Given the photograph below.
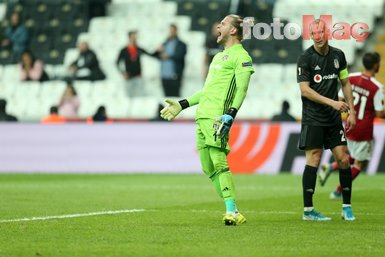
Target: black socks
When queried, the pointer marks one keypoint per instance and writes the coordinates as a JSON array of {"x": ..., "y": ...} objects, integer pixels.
[
  {"x": 346, "y": 185},
  {"x": 309, "y": 178}
]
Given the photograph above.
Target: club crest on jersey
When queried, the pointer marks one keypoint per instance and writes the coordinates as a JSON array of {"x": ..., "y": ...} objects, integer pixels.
[
  {"x": 317, "y": 78},
  {"x": 225, "y": 57},
  {"x": 336, "y": 64}
]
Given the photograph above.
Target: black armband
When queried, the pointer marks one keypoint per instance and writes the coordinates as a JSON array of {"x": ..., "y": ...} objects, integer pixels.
[
  {"x": 184, "y": 103},
  {"x": 232, "y": 112}
]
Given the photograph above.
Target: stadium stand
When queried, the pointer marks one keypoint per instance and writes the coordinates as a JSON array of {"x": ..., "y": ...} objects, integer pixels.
[{"x": 56, "y": 26}]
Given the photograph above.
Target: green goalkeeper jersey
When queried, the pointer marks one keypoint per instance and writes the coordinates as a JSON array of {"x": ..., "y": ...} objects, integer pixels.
[{"x": 226, "y": 83}]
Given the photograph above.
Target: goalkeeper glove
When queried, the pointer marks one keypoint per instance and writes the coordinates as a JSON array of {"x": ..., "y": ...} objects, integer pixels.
[
  {"x": 173, "y": 109},
  {"x": 225, "y": 121}
]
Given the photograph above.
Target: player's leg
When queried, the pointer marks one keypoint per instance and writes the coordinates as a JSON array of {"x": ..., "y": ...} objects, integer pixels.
[
  {"x": 222, "y": 171},
  {"x": 213, "y": 152},
  {"x": 208, "y": 169},
  {"x": 345, "y": 180},
  {"x": 357, "y": 167},
  {"x": 356, "y": 170},
  {"x": 309, "y": 178},
  {"x": 361, "y": 151},
  {"x": 345, "y": 172},
  {"x": 336, "y": 141},
  {"x": 205, "y": 159},
  {"x": 327, "y": 169},
  {"x": 311, "y": 140}
]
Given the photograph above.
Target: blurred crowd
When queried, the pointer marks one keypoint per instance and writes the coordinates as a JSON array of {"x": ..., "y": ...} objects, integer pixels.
[
  {"x": 171, "y": 55},
  {"x": 86, "y": 67}
]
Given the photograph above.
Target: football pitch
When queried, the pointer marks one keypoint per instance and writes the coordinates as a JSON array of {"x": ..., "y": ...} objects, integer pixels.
[{"x": 181, "y": 215}]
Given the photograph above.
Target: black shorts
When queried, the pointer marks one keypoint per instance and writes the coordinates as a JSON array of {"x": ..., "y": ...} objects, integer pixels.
[{"x": 321, "y": 137}]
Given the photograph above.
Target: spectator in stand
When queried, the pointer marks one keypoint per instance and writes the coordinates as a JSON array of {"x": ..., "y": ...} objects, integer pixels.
[
  {"x": 86, "y": 66},
  {"x": 284, "y": 115},
  {"x": 4, "y": 116},
  {"x": 53, "y": 117},
  {"x": 129, "y": 65},
  {"x": 172, "y": 54},
  {"x": 69, "y": 102},
  {"x": 100, "y": 116},
  {"x": 16, "y": 37},
  {"x": 32, "y": 68}
]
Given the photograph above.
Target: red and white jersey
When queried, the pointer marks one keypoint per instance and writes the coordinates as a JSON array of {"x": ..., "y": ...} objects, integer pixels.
[{"x": 368, "y": 96}]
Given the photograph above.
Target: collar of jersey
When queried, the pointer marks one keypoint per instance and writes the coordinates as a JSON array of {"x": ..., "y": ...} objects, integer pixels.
[{"x": 232, "y": 47}]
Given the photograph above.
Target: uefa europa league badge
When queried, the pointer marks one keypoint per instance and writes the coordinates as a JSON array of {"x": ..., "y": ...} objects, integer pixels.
[
  {"x": 225, "y": 57},
  {"x": 336, "y": 64}
]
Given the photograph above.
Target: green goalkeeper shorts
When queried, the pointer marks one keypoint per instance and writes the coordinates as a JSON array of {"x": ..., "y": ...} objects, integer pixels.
[{"x": 205, "y": 136}]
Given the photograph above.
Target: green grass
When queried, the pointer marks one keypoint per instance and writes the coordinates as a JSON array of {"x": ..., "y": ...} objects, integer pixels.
[{"x": 182, "y": 217}]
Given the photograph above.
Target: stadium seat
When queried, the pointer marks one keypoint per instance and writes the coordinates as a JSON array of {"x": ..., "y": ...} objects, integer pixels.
[
  {"x": 5, "y": 57},
  {"x": 137, "y": 109},
  {"x": 118, "y": 107},
  {"x": 153, "y": 87},
  {"x": 70, "y": 56}
]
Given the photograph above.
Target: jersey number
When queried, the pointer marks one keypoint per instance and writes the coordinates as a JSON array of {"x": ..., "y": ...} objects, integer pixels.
[
  {"x": 343, "y": 139},
  {"x": 358, "y": 99}
]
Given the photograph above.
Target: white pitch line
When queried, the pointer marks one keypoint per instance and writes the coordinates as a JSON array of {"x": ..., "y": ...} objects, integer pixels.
[{"x": 76, "y": 215}]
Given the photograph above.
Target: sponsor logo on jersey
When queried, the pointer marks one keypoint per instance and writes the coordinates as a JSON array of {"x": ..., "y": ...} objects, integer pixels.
[
  {"x": 336, "y": 64},
  {"x": 330, "y": 76},
  {"x": 317, "y": 68},
  {"x": 318, "y": 78},
  {"x": 247, "y": 64}
]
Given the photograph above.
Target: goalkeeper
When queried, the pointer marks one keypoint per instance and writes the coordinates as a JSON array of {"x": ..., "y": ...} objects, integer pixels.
[{"x": 218, "y": 102}]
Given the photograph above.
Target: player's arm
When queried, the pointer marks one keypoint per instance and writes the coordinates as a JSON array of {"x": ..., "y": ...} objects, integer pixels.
[
  {"x": 378, "y": 102},
  {"x": 311, "y": 94},
  {"x": 348, "y": 95},
  {"x": 173, "y": 108},
  {"x": 244, "y": 69},
  {"x": 242, "y": 81},
  {"x": 304, "y": 77}
]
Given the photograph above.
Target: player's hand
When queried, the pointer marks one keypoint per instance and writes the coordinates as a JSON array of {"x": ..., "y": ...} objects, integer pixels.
[
  {"x": 223, "y": 126},
  {"x": 350, "y": 122},
  {"x": 171, "y": 110},
  {"x": 340, "y": 106}
]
